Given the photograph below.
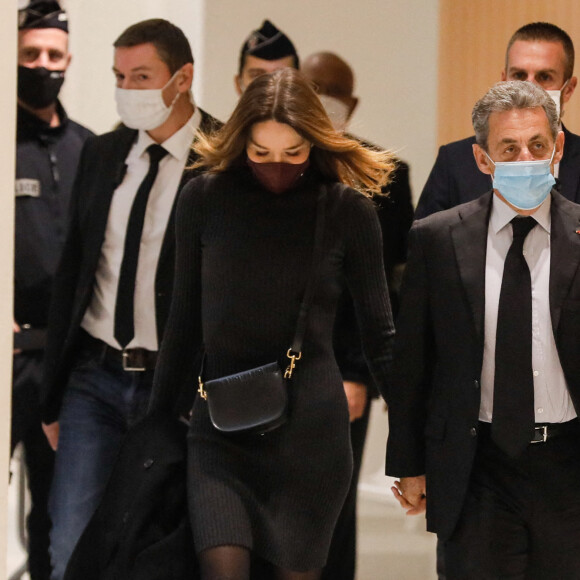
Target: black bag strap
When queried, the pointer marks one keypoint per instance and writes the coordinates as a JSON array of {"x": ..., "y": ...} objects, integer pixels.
[{"x": 295, "y": 351}]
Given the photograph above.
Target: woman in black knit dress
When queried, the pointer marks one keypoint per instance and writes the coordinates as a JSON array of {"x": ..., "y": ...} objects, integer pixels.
[{"x": 244, "y": 235}]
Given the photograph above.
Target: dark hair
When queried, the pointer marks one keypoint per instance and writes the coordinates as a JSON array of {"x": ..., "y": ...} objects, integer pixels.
[
  {"x": 546, "y": 32},
  {"x": 287, "y": 97},
  {"x": 169, "y": 41}
]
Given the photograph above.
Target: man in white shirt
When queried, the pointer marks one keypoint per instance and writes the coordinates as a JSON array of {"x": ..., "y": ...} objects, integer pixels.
[
  {"x": 113, "y": 288},
  {"x": 486, "y": 385}
]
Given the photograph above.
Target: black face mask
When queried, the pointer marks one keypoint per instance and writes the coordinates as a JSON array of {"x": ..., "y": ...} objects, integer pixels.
[{"x": 39, "y": 87}]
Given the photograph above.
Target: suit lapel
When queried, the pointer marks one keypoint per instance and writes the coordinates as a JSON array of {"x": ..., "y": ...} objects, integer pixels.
[
  {"x": 469, "y": 237},
  {"x": 564, "y": 253},
  {"x": 569, "y": 173}
]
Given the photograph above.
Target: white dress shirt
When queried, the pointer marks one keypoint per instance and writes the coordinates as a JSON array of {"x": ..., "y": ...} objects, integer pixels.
[
  {"x": 552, "y": 401},
  {"x": 99, "y": 319}
]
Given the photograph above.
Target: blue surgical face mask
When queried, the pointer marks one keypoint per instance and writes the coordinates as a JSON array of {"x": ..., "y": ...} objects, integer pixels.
[{"x": 525, "y": 184}]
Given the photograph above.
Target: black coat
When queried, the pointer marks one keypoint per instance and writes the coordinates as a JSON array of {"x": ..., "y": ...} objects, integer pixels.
[
  {"x": 455, "y": 177},
  {"x": 141, "y": 529},
  {"x": 101, "y": 170},
  {"x": 435, "y": 395}
]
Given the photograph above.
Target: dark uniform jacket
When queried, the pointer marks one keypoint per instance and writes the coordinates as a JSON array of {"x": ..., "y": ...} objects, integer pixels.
[
  {"x": 455, "y": 177},
  {"x": 46, "y": 162},
  {"x": 434, "y": 399},
  {"x": 101, "y": 170}
]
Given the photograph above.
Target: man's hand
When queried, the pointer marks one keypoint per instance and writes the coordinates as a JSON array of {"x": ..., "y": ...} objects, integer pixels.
[
  {"x": 410, "y": 493},
  {"x": 356, "y": 395},
  {"x": 16, "y": 328},
  {"x": 51, "y": 432}
]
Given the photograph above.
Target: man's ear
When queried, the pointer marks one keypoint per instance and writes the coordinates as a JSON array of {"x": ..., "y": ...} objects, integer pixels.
[
  {"x": 185, "y": 78},
  {"x": 238, "y": 85},
  {"x": 559, "y": 148},
  {"x": 569, "y": 89},
  {"x": 481, "y": 159}
]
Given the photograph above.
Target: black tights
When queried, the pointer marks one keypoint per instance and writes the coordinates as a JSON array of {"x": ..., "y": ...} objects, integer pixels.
[{"x": 233, "y": 563}]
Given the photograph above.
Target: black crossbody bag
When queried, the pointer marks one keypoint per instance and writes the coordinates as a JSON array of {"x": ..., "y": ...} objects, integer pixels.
[{"x": 256, "y": 400}]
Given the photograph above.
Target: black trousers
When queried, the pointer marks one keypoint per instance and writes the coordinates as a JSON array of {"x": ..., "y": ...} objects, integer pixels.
[
  {"x": 341, "y": 561},
  {"x": 26, "y": 428},
  {"x": 521, "y": 516}
]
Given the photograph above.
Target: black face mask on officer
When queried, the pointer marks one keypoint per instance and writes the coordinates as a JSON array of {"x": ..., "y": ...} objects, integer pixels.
[{"x": 39, "y": 87}]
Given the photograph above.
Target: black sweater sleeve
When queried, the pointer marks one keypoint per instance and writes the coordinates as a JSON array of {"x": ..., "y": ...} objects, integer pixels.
[
  {"x": 175, "y": 371},
  {"x": 366, "y": 280}
]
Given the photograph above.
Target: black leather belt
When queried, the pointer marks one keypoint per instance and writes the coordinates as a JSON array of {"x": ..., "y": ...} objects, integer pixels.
[
  {"x": 542, "y": 431},
  {"x": 131, "y": 359},
  {"x": 550, "y": 430}
]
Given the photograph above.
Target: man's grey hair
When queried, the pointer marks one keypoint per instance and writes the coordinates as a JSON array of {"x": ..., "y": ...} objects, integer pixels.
[{"x": 509, "y": 95}]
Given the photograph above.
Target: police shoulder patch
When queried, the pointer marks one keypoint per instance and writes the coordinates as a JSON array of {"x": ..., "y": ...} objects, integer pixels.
[{"x": 27, "y": 188}]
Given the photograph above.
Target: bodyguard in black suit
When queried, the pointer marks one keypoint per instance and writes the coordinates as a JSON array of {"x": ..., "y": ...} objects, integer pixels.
[
  {"x": 113, "y": 287},
  {"x": 483, "y": 414},
  {"x": 540, "y": 53}
]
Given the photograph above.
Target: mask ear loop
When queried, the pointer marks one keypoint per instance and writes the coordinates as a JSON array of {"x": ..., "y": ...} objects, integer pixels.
[{"x": 167, "y": 84}]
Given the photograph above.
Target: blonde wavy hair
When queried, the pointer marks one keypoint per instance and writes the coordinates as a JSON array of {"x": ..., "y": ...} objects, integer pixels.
[{"x": 287, "y": 97}]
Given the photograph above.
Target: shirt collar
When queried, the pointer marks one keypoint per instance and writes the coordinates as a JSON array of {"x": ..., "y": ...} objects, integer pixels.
[
  {"x": 179, "y": 144},
  {"x": 502, "y": 214}
]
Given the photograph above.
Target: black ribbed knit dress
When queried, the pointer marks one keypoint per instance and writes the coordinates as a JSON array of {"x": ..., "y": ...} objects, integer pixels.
[{"x": 243, "y": 259}]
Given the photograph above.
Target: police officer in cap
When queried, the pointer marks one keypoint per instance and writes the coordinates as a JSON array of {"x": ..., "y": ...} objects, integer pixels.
[
  {"x": 266, "y": 50},
  {"x": 48, "y": 148}
]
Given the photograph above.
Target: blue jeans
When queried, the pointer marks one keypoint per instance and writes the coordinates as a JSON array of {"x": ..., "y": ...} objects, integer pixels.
[{"x": 102, "y": 401}]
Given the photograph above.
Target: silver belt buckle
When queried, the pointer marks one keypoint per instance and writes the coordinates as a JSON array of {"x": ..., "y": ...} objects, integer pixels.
[
  {"x": 127, "y": 366},
  {"x": 544, "y": 430}
]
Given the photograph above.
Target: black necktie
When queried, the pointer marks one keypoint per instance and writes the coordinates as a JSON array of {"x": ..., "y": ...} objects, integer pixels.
[
  {"x": 124, "y": 308},
  {"x": 513, "y": 394}
]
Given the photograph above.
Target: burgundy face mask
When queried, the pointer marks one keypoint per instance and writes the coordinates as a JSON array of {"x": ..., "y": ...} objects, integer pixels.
[{"x": 278, "y": 177}]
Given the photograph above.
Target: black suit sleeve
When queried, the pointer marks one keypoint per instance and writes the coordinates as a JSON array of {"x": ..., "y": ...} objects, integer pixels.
[
  {"x": 409, "y": 392},
  {"x": 438, "y": 192},
  {"x": 396, "y": 216}
]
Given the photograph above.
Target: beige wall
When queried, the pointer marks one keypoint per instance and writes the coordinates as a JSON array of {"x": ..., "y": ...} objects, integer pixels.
[
  {"x": 8, "y": 124},
  {"x": 472, "y": 47}
]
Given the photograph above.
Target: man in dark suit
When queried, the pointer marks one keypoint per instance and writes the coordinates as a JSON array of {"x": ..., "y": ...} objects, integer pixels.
[
  {"x": 540, "y": 53},
  {"x": 334, "y": 81},
  {"x": 114, "y": 284},
  {"x": 486, "y": 383}
]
